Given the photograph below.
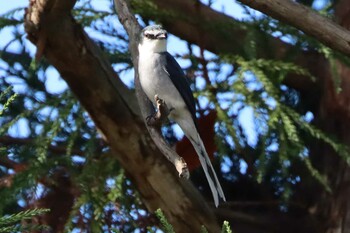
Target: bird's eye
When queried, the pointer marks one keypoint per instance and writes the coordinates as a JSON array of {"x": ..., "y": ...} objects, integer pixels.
[{"x": 149, "y": 36}]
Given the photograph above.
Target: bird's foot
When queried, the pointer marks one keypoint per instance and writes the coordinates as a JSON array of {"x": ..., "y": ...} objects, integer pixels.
[{"x": 162, "y": 113}]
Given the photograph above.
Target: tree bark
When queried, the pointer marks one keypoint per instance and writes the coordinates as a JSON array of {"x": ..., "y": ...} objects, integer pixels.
[{"x": 112, "y": 107}]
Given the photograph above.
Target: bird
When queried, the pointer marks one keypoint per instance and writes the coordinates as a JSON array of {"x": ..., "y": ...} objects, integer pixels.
[{"x": 160, "y": 75}]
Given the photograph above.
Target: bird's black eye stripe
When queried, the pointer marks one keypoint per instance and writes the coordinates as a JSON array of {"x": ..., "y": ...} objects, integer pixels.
[{"x": 150, "y": 36}]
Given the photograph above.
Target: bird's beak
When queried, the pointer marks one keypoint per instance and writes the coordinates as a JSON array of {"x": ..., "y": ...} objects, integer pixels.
[{"x": 162, "y": 36}]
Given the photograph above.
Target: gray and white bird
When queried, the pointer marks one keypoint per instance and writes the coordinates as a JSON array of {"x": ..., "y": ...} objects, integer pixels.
[{"x": 161, "y": 75}]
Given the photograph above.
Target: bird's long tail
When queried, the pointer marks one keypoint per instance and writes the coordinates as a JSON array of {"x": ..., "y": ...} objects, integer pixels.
[{"x": 209, "y": 171}]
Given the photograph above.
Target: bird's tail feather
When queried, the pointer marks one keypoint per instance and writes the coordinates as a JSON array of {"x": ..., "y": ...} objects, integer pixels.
[{"x": 209, "y": 171}]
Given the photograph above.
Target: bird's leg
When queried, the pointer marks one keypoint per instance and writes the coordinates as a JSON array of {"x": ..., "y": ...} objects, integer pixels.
[{"x": 161, "y": 115}]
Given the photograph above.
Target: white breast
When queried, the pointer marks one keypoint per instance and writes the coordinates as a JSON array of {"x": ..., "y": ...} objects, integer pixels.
[
  {"x": 148, "y": 76},
  {"x": 155, "y": 81}
]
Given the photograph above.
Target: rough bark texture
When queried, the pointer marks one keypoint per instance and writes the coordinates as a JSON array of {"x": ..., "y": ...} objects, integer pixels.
[{"x": 112, "y": 107}]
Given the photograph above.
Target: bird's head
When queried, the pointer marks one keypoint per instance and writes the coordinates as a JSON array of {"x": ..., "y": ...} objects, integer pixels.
[{"x": 153, "y": 39}]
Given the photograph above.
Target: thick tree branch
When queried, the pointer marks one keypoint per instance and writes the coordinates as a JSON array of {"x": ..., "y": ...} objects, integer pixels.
[
  {"x": 306, "y": 20},
  {"x": 91, "y": 78}
]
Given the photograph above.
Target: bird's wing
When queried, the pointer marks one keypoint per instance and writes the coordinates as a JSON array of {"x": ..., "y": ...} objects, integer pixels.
[{"x": 177, "y": 76}]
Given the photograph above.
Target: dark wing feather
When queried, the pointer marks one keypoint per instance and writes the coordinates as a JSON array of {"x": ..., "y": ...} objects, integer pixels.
[{"x": 178, "y": 78}]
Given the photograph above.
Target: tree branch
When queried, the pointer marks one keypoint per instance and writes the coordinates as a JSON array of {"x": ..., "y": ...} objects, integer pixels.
[{"x": 306, "y": 20}]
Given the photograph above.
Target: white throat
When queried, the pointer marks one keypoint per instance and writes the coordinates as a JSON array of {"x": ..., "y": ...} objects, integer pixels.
[{"x": 152, "y": 46}]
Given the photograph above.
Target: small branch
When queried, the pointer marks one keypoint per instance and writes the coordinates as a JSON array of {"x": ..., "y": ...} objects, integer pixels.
[{"x": 306, "y": 20}]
